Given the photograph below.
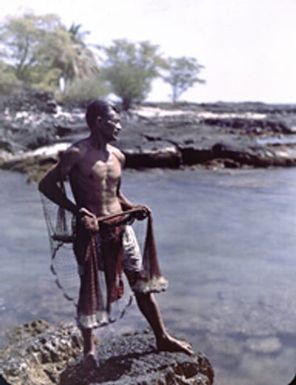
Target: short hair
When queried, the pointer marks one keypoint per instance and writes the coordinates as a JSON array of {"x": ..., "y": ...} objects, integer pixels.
[{"x": 97, "y": 108}]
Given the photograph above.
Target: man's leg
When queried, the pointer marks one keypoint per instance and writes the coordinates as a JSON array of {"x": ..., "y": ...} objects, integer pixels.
[
  {"x": 147, "y": 304},
  {"x": 164, "y": 341},
  {"x": 88, "y": 341},
  {"x": 89, "y": 350}
]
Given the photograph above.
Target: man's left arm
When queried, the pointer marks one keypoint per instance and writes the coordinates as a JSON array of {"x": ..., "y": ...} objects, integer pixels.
[
  {"x": 144, "y": 211},
  {"x": 125, "y": 203}
]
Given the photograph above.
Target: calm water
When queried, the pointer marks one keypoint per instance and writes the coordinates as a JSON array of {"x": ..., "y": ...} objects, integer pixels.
[{"x": 227, "y": 243}]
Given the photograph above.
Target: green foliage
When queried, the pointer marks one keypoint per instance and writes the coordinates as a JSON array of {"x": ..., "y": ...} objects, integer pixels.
[
  {"x": 130, "y": 68},
  {"x": 41, "y": 50},
  {"x": 83, "y": 63},
  {"x": 182, "y": 73},
  {"x": 83, "y": 90},
  {"x": 8, "y": 81}
]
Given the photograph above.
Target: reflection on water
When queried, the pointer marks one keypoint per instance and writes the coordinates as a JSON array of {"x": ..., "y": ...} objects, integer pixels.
[
  {"x": 275, "y": 140},
  {"x": 226, "y": 241}
]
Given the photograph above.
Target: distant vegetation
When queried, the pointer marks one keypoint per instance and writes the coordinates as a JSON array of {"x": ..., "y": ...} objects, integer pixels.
[
  {"x": 39, "y": 51},
  {"x": 129, "y": 68},
  {"x": 182, "y": 74}
]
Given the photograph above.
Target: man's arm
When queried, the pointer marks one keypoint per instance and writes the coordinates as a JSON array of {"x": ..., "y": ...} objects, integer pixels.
[
  {"x": 50, "y": 183},
  {"x": 124, "y": 202},
  {"x": 144, "y": 211}
]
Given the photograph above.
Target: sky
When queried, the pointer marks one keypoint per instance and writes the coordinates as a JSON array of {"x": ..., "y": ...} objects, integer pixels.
[{"x": 248, "y": 47}]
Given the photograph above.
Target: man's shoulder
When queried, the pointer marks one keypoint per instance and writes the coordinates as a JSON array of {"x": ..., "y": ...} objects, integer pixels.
[
  {"x": 80, "y": 144},
  {"x": 117, "y": 153},
  {"x": 78, "y": 147},
  {"x": 74, "y": 151}
]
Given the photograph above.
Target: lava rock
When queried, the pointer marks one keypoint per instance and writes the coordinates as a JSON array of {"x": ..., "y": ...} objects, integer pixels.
[
  {"x": 47, "y": 355},
  {"x": 133, "y": 360}
]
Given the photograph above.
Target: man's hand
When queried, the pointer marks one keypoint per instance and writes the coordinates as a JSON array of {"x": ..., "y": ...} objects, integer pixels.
[
  {"x": 89, "y": 220},
  {"x": 143, "y": 212}
]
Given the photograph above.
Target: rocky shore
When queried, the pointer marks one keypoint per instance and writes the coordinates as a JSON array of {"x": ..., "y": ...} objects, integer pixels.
[
  {"x": 232, "y": 135},
  {"x": 41, "y": 354}
]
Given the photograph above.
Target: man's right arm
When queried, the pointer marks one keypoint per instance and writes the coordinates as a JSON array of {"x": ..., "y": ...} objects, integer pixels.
[{"x": 50, "y": 183}]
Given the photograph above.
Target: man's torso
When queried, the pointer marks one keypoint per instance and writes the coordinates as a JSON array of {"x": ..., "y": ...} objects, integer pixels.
[{"x": 95, "y": 179}]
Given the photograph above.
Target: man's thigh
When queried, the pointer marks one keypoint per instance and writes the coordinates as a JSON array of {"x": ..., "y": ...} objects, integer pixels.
[{"x": 132, "y": 256}]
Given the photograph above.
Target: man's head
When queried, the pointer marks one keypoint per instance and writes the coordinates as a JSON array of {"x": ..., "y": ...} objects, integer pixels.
[{"x": 103, "y": 119}]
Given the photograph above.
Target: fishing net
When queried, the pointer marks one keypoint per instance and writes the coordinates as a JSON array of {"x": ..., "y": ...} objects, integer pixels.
[{"x": 61, "y": 230}]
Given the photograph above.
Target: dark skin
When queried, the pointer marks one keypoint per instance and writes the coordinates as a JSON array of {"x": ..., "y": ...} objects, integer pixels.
[{"x": 94, "y": 168}]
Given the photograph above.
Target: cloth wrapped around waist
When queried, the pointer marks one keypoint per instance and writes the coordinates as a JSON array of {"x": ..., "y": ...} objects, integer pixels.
[{"x": 104, "y": 252}]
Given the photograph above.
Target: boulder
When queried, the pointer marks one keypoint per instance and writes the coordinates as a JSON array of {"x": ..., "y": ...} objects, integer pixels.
[
  {"x": 38, "y": 353},
  {"x": 160, "y": 154},
  {"x": 45, "y": 355}
]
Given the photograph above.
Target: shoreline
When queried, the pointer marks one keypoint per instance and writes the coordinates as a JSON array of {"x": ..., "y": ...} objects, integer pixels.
[{"x": 216, "y": 135}]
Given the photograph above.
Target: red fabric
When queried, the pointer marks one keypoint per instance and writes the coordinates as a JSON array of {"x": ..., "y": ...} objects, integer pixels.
[{"x": 107, "y": 256}]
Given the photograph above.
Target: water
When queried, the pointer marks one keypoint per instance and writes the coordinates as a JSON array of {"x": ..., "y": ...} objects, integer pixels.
[
  {"x": 227, "y": 244},
  {"x": 277, "y": 140}
]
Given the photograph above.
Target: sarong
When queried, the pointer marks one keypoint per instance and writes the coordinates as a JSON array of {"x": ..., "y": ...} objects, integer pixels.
[{"x": 102, "y": 257}]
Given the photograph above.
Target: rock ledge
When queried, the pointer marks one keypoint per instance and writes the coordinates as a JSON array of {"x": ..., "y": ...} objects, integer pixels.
[{"x": 53, "y": 356}]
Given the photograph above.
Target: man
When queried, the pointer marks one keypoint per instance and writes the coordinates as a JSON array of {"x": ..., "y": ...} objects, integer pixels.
[{"x": 94, "y": 168}]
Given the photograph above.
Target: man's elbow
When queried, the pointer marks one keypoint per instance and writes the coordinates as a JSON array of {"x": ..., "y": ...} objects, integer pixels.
[{"x": 43, "y": 186}]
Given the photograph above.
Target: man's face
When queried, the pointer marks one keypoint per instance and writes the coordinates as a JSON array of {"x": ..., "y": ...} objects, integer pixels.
[{"x": 109, "y": 127}]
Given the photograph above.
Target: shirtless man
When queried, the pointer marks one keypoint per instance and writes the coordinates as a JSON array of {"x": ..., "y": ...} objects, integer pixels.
[{"x": 94, "y": 169}]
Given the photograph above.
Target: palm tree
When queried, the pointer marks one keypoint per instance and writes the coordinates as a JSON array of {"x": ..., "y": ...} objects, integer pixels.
[{"x": 82, "y": 62}]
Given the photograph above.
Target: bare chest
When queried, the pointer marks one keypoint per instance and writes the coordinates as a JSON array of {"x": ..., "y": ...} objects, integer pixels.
[{"x": 99, "y": 170}]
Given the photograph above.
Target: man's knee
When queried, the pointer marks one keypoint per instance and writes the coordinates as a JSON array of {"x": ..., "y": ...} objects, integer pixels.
[{"x": 133, "y": 277}]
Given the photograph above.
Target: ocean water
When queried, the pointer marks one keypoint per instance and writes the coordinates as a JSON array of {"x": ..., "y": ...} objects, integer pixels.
[{"x": 227, "y": 243}]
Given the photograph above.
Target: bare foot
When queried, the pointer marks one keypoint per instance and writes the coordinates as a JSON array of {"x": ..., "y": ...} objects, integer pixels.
[
  {"x": 171, "y": 344},
  {"x": 89, "y": 361}
]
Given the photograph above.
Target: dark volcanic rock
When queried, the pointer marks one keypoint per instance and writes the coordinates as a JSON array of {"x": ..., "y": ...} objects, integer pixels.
[
  {"x": 38, "y": 354},
  {"x": 160, "y": 154},
  {"x": 133, "y": 360},
  {"x": 208, "y": 135},
  {"x": 249, "y": 126},
  {"x": 53, "y": 356},
  {"x": 31, "y": 100}
]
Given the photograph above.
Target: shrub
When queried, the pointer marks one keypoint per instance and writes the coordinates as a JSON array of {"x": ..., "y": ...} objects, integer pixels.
[{"x": 81, "y": 91}]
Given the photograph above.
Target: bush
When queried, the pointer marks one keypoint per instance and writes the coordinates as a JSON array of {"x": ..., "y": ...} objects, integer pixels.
[
  {"x": 9, "y": 84},
  {"x": 82, "y": 91}
]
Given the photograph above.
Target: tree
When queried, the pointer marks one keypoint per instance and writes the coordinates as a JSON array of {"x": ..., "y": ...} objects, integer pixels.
[
  {"x": 182, "y": 73},
  {"x": 8, "y": 81},
  {"x": 130, "y": 68},
  {"x": 83, "y": 63},
  {"x": 41, "y": 50}
]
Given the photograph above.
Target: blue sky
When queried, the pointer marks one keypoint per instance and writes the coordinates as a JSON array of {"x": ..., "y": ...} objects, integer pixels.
[{"x": 247, "y": 46}]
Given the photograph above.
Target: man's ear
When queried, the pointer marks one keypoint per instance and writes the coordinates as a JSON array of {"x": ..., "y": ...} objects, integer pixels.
[{"x": 98, "y": 120}]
